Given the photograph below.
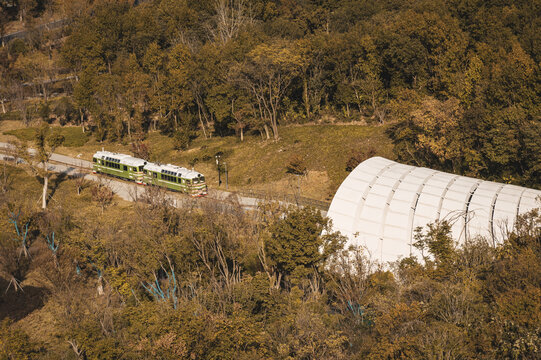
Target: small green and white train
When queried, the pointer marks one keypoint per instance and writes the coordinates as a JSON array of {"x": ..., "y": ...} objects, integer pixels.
[{"x": 147, "y": 173}]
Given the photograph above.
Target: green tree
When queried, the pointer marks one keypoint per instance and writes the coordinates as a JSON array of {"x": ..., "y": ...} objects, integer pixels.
[
  {"x": 299, "y": 244},
  {"x": 267, "y": 75},
  {"x": 16, "y": 344}
]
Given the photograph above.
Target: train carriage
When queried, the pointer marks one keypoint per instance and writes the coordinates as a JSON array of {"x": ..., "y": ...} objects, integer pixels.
[
  {"x": 175, "y": 178},
  {"x": 119, "y": 165}
]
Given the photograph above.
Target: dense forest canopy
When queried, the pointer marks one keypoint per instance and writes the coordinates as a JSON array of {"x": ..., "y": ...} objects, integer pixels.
[{"x": 456, "y": 81}]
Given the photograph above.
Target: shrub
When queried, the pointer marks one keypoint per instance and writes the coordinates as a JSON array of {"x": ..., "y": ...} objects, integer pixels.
[
  {"x": 296, "y": 165},
  {"x": 359, "y": 156}
]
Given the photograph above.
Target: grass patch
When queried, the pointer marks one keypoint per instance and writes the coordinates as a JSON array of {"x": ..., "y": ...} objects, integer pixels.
[
  {"x": 73, "y": 136},
  {"x": 11, "y": 115},
  {"x": 262, "y": 164},
  {"x": 325, "y": 149},
  {"x": 26, "y": 134}
]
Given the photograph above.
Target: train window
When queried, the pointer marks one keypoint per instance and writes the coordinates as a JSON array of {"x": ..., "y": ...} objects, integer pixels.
[
  {"x": 93, "y": 159},
  {"x": 155, "y": 175},
  {"x": 141, "y": 168},
  {"x": 125, "y": 168}
]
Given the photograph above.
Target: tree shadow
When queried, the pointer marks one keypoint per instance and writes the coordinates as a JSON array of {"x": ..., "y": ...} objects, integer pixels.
[
  {"x": 18, "y": 304},
  {"x": 56, "y": 180}
]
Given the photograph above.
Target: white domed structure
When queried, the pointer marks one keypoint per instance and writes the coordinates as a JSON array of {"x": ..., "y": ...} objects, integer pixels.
[{"x": 379, "y": 205}]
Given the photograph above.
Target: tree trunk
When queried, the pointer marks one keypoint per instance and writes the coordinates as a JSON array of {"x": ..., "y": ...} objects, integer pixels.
[
  {"x": 275, "y": 132},
  {"x": 129, "y": 127},
  {"x": 100, "y": 286},
  {"x": 201, "y": 108},
  {"x": 44, "y": 91},
  {"x": 274, "y": 125},
  {"x": 201, "y": 120},
  {"x": 241, "y": 134},
  {"x": 82, "y": 119},
  {"x": 266, "y": 131},
  {"x": 3, "y": 106},
  {"x": 45, "y": 185},
  {"x": 306, "y": 98}
]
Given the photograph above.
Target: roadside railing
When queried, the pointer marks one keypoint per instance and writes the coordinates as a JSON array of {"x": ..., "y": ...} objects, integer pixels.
[{"x": 288, "y": 198}]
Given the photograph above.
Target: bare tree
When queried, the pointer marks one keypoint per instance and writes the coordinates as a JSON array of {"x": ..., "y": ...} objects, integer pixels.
[
  {"x": 80, "y": 182},
  {"x": 6, "y": 180},
  {"x": 102, "y": 193},
  {"x": 231, "y": 16},
  {"x": 46, "y": 142},
  {"x": 14, "y": 254}
]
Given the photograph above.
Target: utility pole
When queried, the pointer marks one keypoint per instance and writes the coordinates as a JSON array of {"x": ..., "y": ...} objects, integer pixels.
[
  {"x": 226, "y": 176},
  {"x": 219, "y": 170}
]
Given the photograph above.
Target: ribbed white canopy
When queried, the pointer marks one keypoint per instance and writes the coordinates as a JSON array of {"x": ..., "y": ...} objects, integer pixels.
[{"x": 381, "y": 202}]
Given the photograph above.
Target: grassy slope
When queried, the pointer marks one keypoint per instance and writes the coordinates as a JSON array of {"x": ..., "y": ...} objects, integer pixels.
[
  {"x": 255, "y": 163},
  {"x": 32, "y": 309}
]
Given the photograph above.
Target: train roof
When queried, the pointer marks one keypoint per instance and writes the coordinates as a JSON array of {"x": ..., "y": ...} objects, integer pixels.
[
  {"x": 173, "y": 170},
  {"x": 120, "y": 158}
]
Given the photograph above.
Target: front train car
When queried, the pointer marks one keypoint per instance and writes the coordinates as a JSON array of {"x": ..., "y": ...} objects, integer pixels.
[
  {"x": 196, "y": 183},
  {"x": 175, "y": 178}
]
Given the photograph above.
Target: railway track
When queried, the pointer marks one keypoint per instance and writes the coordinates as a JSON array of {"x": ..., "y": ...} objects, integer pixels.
[{"x": 75, "y": 167}]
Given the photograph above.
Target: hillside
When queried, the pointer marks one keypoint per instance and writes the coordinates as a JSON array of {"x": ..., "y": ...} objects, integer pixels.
[
  {"x": 288, "y": 95},
  {"x": 254, "y": 163}
]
